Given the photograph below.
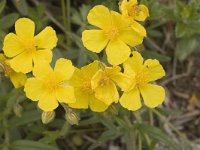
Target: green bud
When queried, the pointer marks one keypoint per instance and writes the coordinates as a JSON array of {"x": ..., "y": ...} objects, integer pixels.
[
  {"x": 113, "y": 110},
  {"x": 47, "y": 116},
  {"x": 18, "y": 110},
  {"x": 72, "y": 117}
]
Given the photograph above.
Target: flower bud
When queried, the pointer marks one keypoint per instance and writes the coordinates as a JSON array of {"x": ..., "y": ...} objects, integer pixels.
[
  {"x": 18, "y": 110},
  {"x": 47, "y": 116},
  {"x": 113, "y": 110},
  {"x": 2, "y": 67},
  {"x": 72, "y": 117}
]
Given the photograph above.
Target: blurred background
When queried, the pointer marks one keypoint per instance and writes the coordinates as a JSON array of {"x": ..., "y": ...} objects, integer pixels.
[{"x": 173, "y": 35}]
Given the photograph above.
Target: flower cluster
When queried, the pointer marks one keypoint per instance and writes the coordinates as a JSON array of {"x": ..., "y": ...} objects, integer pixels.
[{"x": 96, "y": 85}]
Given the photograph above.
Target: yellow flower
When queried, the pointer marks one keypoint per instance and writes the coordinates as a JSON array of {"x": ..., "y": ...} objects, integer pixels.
[
  {"x": 130, "y": 8},
  {"x": 104, "y": 84},
  {"x": 49, "y": 86},
  {"x": 141, "y": 74},
  {"x": 81, "y": 80},
  {"x": 115, "y": 34},
  {"x": 17, "y": 78},
  {"x": 132, "y": 11},
  {"x": 25, "y": 49}
]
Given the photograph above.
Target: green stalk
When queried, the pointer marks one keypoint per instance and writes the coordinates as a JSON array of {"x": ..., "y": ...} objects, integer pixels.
[
  {"x": 6, "y": 132},
  {"x": 66, "y": 18}
]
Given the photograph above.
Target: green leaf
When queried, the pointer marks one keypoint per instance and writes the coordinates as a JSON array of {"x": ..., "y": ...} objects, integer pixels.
[
  {"x": 25, "y": 119},
  {"x": 21, "y": 6},
  {"x": 185, "y": 47},
  {"x": 8, "y": 21},
  {"x": 106, "y": 136},
  {"x": 31, "y": 145},
  {"x": 180, "y": 29},
  {"x": 2, "y": 5},
  {"x": 157, "y": 134},
  {"x": 154, "y": 55}
]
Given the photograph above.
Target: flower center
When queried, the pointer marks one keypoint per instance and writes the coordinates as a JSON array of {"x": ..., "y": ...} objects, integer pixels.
[
  {"x": 104, "y": 80},
  {"x": 87, "y": 87},
  {"x": 30, "y": 44},
  {"x": 134, "y": 10},
  {"x": 112, "y": 32},
  {"x": 141, "y": 78}
]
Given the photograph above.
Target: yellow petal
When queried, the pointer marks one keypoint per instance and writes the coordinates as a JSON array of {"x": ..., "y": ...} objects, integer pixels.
[
  {"x": 119, "y": 21},
  {"x": 124, "y": 81},
  {"x": 117, "y": 52},
  {"x": 134, "y": 64},
  {"x": 139, "y": 29},
  {"x": 82, "y": 99},
  {"x": 48, "y": 102},
  {"x": 97, "y": 105},
  {"x": 107, "y": 94},
  {"x": 64, "y": 69},
  {"x": 46, "y": 39},
  {"x": 90, "y": 69},
  {"x": 155, "y": 69},
  {"x": 65, "y": 94},
  {"x": 25, "y": 28},
  {"x": 153, "y": 95},
  {"x": 131, "y": 100},
  {"x": 96, "y": 79},
  {"x": 144, "y": 13},
  {"x": 42, "y": 56},
  {"x": 99, "y": 16},
  {"x": 94, "y": 40},
  {"x": 12, "y": 45},
  {"x": 33, "y": 88},
  {"x": 22, "y": 62},
  {"x": 130, "y": 37},
  {"x": 18, "y": 79},
  {"x": 42, "y": 71}
]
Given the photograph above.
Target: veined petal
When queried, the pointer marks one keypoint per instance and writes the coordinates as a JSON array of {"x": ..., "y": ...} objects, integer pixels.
[
  {"x": 12, "y": 45},
  {"x": 94, "y": 40},
  {"x": 144, "y": 13},
  {"x": 25, "y": 28},
  {"x": 99, "y": 16},
  {"x": 133, "y": 64},
  {"x": 155, "y": 69},
  {"x": 65, "y": 94},
  {"x": 117, "y": 52},
  {"x": 107, "y": 94},
  {"x": 64, "y": 69},
  {"x": 22, "y": 62},
  {"x": 34, "y": 88},
  {"x": 82, "y": 99},
  {"x": 153, "y": 95},
  {"x": 42, "y": 56},
  {"x": 131, "y": 100},
  {"x": 97, "y": 105},
  {"x": 46, "y": 39},
  {"x": 18, "y": 79},
  {"x": 48, "y": 101},
  {"x": 130, "y": 37},
  {"x": 139, "y": 29}
]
